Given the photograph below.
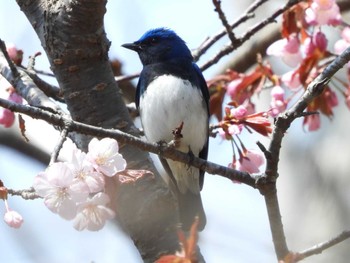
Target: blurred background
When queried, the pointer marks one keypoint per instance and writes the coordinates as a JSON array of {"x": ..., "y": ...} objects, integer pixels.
[{"x": 314, "y": 169}]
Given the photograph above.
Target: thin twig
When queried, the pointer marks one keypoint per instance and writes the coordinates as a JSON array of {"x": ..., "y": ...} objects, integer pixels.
[
  {"x": 252, "y": 31},
  {"x": 49, "y": 90},
  {"x": 27, "y": 194},
  {"x": 126, "y": 77},
  {"x": 58, "y": 147},
  {"x": 25, "y": 86},
  {"x": 231, "y": 35},
  {"x": 212, "y": 40},
  {"x": 31, "y": 62},
  {"x": 319, "y": 248},
  {"x": 12, "y": 65},
  {"x": 45, "y": 73}
]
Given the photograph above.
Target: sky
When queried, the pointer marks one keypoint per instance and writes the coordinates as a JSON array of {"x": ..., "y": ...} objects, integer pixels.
[{"x": 237, "y": 230}]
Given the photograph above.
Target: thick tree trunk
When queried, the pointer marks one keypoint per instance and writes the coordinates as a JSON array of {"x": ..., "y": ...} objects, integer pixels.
[{"x": 72, "y": 34}]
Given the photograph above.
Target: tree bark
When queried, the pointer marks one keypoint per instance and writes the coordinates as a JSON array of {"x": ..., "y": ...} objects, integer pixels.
[{"x": 73, "y": 37}]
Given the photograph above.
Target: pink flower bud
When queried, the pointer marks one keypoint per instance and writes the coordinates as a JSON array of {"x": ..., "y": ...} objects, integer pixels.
[
  {"x": 13, "y": 219},
  {"x": 239, "y": 112},
  {"x": 320, "y": 41},
  {"x": 7, "y": 117},
  {"x": 15, "y": 54},
  {"x": 15, "y": 98}
]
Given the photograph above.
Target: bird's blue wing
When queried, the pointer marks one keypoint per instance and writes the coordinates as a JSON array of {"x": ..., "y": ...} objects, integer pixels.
[
  {"x": 202, "y": 85},
  {"x": 205, "y": 91}
]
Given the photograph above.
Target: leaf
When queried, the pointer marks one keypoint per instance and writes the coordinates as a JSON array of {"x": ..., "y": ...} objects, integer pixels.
[
  {"x": 22, "y": 127},
  {"x": 216, "y": 100},
  {"x": 131, "y": 176},
  {"x": 188, "y": 253}
]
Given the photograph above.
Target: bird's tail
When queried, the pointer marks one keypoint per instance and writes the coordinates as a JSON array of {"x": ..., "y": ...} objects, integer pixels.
[{"x": 190, "y": 206}]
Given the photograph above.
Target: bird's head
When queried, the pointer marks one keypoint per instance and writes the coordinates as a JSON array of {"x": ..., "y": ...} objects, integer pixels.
[{"x": 160, "y": 45}]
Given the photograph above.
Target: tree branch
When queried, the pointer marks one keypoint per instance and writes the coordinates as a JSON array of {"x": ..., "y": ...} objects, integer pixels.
[
  {"x": 124, "y": 138},
  {"x": 229, "y": 47},
  {"x": 212, "y": 40},
  {"x": 24, "y": 84},
  {"x": 73, "y": 37},
  {"x": 228, "y": 28},
  {"x": 282, "y": 123},
  {"x": 319, "y": 248}
]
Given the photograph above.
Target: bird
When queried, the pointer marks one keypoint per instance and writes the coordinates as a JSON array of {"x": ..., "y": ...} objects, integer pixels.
[{"x": 172, "y": 94}]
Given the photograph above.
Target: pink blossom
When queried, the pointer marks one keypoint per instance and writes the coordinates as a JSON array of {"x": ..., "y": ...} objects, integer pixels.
[
  {"x": 92, "y": 214},
  {"x": 104, "y": 156},
  {"x": 12, "y": 218},
  {"x": 15, "y": 54},
  {"x": 240, "y": 112},
  {"x": 278, "y": 104},
  {"x": 291, "y": 80},
  {"x": 288, "y": 49},
  {"x": 233, "y": 129},
  {"x": 323, "y": 12},
  {"x": 7, "y": 92},
  {"x": 7, "y": 117},
  {"x": 54, "y": 185},
  {"x": 345, "y": 34},
  {"x": 14, "y": 97},
  {"x": 86, "y": 179},
  {"x": 234, "y": 90},
  {"x": 250, "y": 161},
  {"x": 344, "y": 42}
]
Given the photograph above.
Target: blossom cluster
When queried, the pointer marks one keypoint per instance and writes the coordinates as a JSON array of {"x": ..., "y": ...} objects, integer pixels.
[
  {"x": 75, "y": 190},
  {"x": 305, "y": 50}
]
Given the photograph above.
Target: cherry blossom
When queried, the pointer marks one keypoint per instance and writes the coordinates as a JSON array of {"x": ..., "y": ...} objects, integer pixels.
[
  {"x": 323, "y": 12},
  {"x": 12, "y": 218},
  {"x": 288, "y": 49},
  {"x": 344, "y": 42},
  {"x": 278, "y": 103},
  {"x": 230, "y": 131},
  {"x": 239, "y": 112},
  {"x": 54, "y": 185},
  {"x": 250, "y": 161},
  {"x": 7, "y": 117},
  {"x": 104, "y": 156},
  {"x": 235, "y": 90},
  {"x": 15, "y": 54},
  {"x": 86, "y": 179},
  {"x": 94, "y": 213},
  {"x": 292, "y": 80}
]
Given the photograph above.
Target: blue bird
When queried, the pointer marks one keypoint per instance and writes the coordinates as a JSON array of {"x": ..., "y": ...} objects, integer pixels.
[{"x": 172, "y": 92}]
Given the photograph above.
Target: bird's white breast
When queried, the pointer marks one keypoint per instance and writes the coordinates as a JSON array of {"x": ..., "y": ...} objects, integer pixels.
[{"x": 169, "y": 101}]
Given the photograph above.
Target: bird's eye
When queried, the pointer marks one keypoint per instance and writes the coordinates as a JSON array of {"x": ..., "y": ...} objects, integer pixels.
[{"x": 153, "y": 41}]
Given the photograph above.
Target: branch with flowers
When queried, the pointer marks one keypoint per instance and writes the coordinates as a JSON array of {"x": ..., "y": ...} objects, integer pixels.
[{"x": 75, "y": 189}]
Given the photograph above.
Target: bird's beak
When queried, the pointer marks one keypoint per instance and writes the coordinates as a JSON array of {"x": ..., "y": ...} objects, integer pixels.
[{"x": 133, "y": 46}]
